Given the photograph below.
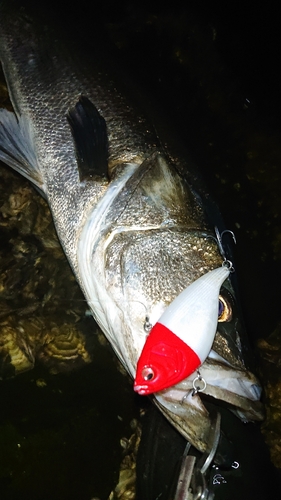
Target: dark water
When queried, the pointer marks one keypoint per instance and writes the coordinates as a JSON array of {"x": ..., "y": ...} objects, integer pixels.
[
  {"x": 62, "y": 440},
  {"x": 212, "y": 70}
]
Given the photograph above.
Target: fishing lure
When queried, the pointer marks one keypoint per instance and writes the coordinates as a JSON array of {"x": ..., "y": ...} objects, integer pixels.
[{"x": 182, "y": 338}]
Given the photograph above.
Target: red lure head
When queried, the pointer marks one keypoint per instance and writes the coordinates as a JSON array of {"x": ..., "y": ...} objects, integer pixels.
[{"x": 165, "y": 360}]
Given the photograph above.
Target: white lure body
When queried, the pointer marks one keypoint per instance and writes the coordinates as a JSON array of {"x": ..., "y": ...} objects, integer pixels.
[
  {"x": 182, "y": 338},
  {"x": 193, "y": 315}
]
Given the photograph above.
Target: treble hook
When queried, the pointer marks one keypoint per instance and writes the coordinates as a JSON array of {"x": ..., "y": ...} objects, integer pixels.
[
  {"x": 219, "y": 240},
  {"x": 219, "y": 236}
]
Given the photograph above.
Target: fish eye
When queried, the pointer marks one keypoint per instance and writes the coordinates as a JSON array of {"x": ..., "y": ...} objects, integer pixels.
[
  {"x": 224, "y": 310},
  {"x": 147, "y": 373}
]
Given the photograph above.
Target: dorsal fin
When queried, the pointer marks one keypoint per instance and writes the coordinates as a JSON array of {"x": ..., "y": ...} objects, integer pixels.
[{"x": 89, "y": 133}]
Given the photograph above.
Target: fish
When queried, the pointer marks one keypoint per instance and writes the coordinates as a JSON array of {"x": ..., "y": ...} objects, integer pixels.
[
  {"x": 130, "y": 212},
  {"x": 182, "y": 338}
]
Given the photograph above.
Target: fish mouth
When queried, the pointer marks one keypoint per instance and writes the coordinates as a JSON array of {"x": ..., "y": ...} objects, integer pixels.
[
  {"x": 238, "y": 388},
  {"x": 183, "y": 404}
]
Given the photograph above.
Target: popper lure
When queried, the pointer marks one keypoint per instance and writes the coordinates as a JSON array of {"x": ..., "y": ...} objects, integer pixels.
[{"x": 182, "y": 338}]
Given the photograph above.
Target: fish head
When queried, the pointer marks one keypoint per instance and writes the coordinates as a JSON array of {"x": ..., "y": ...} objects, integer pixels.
[
  {"x": 145, "y": 244},
  {"x": 226, "y": 372}
]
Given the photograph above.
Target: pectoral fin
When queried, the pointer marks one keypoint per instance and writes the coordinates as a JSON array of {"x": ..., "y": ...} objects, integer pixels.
[
  {"x": 17, "y": 149},
  {"x": 89, "y": 133}
]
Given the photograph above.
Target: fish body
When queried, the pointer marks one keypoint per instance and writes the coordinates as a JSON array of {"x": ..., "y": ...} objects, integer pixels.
[
  {"x": 133, "y": 229},
  {"x": 182, "y": 338}
]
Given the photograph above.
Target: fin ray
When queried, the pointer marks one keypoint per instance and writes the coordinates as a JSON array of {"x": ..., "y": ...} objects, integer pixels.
[{"x": 16, "y": 147}]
